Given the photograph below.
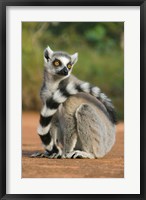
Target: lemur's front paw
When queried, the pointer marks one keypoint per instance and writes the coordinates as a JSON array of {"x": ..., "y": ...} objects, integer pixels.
[
  {"x": 53, "y": 155},
  {"x": 56, "y": 152},
  {"x": 46, "y": 154}
]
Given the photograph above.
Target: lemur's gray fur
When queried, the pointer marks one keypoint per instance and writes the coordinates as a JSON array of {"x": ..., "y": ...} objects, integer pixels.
[{"x": 77, "y": 120}]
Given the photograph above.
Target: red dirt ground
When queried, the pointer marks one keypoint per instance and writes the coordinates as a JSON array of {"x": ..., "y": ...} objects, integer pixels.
[{"x": 111, "y": 166}]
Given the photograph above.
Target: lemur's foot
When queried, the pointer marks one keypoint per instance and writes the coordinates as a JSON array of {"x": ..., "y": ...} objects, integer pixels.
[
  {"x": 56, "y": 152},
  {"x": 53, "y": 155},
  {"x": 79, "y": 154},
  {"x": 46, "y": 154},
  {"x": 37, "y": 155}
]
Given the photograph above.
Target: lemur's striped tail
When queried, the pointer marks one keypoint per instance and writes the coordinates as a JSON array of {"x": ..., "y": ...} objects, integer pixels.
[
  {"x": 47, "y": 113},
  {"x": 96, "y": 92},
  {"x": 64, "y": 91}
]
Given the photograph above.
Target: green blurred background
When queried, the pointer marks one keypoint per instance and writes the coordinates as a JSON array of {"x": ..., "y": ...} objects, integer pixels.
[{"x": 101, "y": 57}]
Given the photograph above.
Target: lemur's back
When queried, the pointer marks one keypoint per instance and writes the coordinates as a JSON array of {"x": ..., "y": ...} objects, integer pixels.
[{"x": 86, "y": 121}]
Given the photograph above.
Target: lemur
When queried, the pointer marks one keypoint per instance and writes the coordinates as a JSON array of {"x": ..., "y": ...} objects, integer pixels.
[{"x": 77, "y": 120}]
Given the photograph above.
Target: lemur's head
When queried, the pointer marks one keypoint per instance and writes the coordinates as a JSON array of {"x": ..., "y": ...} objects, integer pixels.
[{"x": 58, "y": 62}]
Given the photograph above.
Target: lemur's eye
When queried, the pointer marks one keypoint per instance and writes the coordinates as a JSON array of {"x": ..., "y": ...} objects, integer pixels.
[
  {"x": 69, "y": 65},
  {"x": 56, "y": 63}
]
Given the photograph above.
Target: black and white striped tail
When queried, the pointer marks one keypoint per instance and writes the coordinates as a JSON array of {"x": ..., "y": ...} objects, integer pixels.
[
  {"x": 96, "y": 92},
  {"x": 60, "y": 96},
  {"x": 72, "y": 89},
  {"x": 47, "y": 113},
  {"x": 48, "y": 110}
]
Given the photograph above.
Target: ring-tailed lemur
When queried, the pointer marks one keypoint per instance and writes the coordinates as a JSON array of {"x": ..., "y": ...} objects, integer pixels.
[{"x": 77, "y": 119}]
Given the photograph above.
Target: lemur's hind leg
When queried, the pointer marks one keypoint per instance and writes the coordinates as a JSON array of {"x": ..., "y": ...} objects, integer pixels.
[
  {"x": 90, "y": 129},
  {"x": 70, "y": 134},
  {"x": 85, "y": 120}
]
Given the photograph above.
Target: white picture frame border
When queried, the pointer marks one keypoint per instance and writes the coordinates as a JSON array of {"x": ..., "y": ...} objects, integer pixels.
[{"x": 130, "y": 184}]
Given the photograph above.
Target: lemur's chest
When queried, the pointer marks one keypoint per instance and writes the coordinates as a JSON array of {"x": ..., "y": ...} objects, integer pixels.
[
  {"x": 48, "y": 90},
  {"x": 51, "y": 87}
]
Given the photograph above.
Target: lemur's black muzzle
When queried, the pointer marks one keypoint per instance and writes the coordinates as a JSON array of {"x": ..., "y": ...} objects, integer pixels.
[{"x": 63, "y": 72}]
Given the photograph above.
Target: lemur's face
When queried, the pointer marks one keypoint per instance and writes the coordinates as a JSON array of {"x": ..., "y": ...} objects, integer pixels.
[{"x": 58, "y": 62}]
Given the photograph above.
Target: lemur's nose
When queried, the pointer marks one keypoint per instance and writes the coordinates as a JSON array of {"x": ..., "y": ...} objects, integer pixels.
[{"x": 65, "y": 71}]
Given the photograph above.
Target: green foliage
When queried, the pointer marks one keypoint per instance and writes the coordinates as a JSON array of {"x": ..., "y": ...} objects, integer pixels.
[{"x": 101, "y": 59}]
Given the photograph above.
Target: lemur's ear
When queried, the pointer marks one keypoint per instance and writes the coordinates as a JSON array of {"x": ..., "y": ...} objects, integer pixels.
[
  {"x": 74, "y": 58},
  {"x": 47, "y": 54}
]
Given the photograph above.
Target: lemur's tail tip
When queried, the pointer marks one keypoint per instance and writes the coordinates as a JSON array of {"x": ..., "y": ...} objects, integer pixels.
[{"x": 113, "y": 116}]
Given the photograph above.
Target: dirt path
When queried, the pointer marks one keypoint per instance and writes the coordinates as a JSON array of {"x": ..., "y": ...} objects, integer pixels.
[{"x": 111, "y": 166}]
